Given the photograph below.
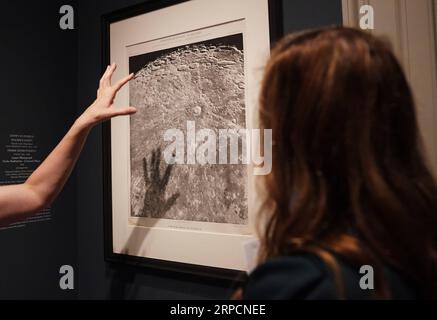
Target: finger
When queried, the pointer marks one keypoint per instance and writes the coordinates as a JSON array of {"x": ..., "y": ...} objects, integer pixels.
[
  {"x": 103, "y": 76},
  {"x": 146, "y": 172},
  {"x": 155, "y": 168},
  {"x": 166, "y": 176},
  {"x": 158, "y": 160},
  {"x": 123, "y": 111},
  {"x": 171, "y": 201},
  {"x": 123, "y": 81},
  {"x": 107, "y": 78}
]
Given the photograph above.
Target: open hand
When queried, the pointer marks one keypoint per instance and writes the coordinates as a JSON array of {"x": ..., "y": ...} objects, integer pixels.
[
  {"x": 155, "y": 202},
  {"x": 103, "y": 107}
]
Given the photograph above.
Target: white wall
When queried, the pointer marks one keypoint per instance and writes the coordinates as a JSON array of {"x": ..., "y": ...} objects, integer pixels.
[{"x": 411, "y": 27}]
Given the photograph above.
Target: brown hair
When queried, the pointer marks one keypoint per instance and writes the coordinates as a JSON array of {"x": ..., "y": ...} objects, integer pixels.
[{"x": 348, "y": 172}]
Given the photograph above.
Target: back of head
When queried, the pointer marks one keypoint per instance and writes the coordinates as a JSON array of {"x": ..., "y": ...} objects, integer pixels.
[{"x": 348, "y": 172}]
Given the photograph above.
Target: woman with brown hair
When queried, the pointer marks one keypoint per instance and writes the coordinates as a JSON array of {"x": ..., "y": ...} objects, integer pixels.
[{"x": 349, "y": 185}]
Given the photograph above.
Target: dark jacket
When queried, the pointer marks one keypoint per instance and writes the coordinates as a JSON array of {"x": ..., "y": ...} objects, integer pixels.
[{"x": 306, "y": 277}]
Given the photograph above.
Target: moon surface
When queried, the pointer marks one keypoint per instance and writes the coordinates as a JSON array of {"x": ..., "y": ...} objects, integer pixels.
[{"x": 202, "y": 83}]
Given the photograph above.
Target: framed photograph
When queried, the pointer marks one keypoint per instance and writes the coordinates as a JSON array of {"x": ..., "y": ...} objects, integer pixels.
[{"x": 176, "y": 195}]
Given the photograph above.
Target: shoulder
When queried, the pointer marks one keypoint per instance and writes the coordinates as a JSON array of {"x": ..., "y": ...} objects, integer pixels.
[
  {"x": 305, "y": 276},
  {"x": 301, "y": 276}
]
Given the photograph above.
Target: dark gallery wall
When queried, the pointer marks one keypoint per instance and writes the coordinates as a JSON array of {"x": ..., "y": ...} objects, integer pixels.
[
  {"x": 100, "y": 280},
  {"x": 307, "y": 14},
  {"x": 38, "y": 63}
]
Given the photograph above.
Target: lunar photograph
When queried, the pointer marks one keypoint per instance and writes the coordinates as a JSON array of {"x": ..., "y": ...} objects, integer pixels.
[{"x": 202, "y": 83}]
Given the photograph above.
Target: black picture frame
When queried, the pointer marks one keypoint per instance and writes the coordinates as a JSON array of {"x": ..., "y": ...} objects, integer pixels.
[{"x": 234, "y": 277}]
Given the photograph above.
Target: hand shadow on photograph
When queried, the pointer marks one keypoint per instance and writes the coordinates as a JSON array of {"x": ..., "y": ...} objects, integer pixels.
[{"x": 155, "y": 202}]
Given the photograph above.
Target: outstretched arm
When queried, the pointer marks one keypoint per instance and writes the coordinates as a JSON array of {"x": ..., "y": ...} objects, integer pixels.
[{"x": 43, "y": 186}]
